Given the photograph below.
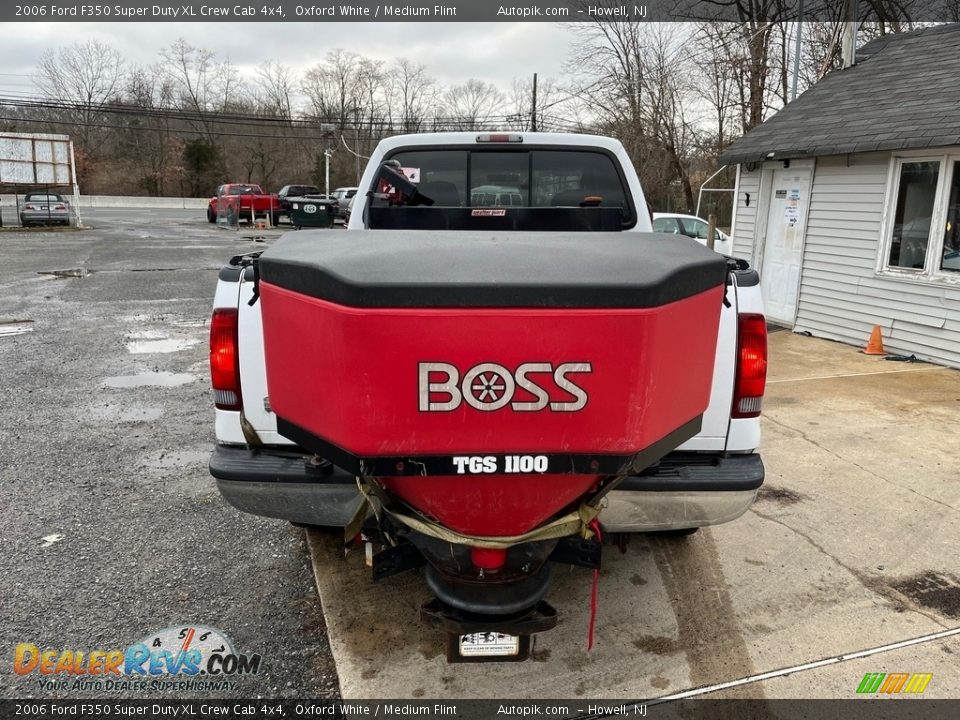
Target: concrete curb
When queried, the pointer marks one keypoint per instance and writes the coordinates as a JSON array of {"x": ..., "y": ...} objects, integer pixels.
[{"x": 121, "y": 201}]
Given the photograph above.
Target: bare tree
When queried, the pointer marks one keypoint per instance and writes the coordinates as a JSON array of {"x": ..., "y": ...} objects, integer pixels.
[
  {"x": 638, "y": 78},
  {"x": 150, "y": 150},
  {"x": 202, "y": 83},
  {"x": 667, "y": 73},
  {"x": 473, "y": 105},
  {"x": 716, "y": 80},
  {"x": 607, "y": 59},
  {"x": 411, "y": 94},
  {"x": 551, "y": 103},
  {"x": 274, "y": 90},
  {"x": 84, "y": 77},
  {"x": 333, "y": 88},
  {"x": 370, "y": 118}
]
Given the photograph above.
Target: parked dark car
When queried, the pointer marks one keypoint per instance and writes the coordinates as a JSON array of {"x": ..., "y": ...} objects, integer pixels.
[
  {"x": 44, "y": 208},
  {"x": 290, "y": 191}
]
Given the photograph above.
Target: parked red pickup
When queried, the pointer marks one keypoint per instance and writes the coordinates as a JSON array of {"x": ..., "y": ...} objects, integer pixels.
[{"x": 235, "y": 201}]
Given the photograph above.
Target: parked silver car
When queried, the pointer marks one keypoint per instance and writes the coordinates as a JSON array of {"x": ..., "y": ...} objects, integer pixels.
[
  {"x": 343, "y": 195},
  {"x": 44, "y": 208}
]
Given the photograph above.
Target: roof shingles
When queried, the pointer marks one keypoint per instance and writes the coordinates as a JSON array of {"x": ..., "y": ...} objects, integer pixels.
[{"x": 902, "y": 94}]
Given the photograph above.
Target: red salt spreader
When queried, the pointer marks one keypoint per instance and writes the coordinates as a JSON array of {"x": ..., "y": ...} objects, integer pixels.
[{"x": 488, "y": 389}]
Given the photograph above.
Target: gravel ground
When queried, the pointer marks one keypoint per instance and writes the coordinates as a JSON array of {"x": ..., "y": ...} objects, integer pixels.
[{"x": 106, "y": 424}]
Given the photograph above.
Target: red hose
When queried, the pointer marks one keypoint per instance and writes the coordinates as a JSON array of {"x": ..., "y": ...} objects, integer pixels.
[{"x": 595, "y": 526}]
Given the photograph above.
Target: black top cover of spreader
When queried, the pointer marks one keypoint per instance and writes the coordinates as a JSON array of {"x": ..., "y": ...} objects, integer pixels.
[{"x": 408, "y": 268}]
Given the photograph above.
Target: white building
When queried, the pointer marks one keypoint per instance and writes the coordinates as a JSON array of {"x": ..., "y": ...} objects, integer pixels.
[{"x": 848, "y": 200}]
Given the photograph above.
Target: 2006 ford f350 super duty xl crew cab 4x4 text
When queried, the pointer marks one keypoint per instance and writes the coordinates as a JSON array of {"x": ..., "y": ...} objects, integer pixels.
[{"x": 495, "y": 367}]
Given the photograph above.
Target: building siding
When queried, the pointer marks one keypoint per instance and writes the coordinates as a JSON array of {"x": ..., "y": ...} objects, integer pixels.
[
  {"x": 841, "y": 295},
  {"x": 745, "y": 221}
]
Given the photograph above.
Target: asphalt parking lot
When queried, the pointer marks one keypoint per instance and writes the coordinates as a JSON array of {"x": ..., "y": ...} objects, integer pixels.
[
  {"x": 106, "y": 424},
  {"x": 113, "y": 528}
]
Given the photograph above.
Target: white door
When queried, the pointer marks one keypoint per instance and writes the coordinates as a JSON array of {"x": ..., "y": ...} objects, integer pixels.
[{"x": 783, "y": 244}]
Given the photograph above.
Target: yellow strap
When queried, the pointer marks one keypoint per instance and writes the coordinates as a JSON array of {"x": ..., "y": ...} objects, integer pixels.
[
  {"x": 573, "y": 523},
  {"x": 249, "y": 433},
  {"x": 353, "y": 527}
]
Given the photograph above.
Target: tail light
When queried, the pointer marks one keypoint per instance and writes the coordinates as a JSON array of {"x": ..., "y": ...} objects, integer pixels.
[
  {"x": 29, "y": 206},
  {"x": 60, "y": 207},
  {"x": 225, "y": 359},
  {"x": 751, "y": 379}
]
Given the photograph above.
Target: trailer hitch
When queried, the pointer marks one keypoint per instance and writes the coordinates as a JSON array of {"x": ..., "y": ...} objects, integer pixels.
[
  {"x": 575, "y": 550},
  {"x": 466, "y": 631},
  {"x": 393, "y": 560}
]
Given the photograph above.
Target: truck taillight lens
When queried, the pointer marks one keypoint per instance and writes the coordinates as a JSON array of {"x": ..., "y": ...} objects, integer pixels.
[
  {"x": 499, "y": 138},
  {"x": 225, "y": 359},
  {"x": 751, "y": 380}
]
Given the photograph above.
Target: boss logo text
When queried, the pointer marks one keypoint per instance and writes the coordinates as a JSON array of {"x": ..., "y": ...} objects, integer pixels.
[{"x": 489, "y": 386}]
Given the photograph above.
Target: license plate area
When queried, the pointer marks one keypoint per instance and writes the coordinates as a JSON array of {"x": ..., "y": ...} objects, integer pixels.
[{"x": 488, "y": 646}]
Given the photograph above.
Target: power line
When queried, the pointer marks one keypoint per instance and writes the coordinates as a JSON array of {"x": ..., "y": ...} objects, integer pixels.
[
  {"x": 217, "y": 133},
  {"x": 435, "y": 125},
  {"x": 237, "y": 119}
]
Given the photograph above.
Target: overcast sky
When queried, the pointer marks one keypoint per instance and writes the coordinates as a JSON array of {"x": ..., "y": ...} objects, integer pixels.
[{"x": 452, "y": 52}]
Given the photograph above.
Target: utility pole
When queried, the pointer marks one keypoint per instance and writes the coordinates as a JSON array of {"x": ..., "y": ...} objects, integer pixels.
[
  {"x": 533, "y": 111},
  {"x": 848, "y": 44},
  {"x": 357, "y": 146},
  {"x": 326, "y": 172},
  {"x": 796, "y": 53}
]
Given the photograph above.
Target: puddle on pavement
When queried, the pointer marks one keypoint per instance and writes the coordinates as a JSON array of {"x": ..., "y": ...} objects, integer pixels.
[
  {"x": 64, "y": 274},
  {"x": 149, "y": 379},
  {"x": 15, "y": 327},
  {"x": 142, "y": 347},
  {"x": 147, "y": 335}
]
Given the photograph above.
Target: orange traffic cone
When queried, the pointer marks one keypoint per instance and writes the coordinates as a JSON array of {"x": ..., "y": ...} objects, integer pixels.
[{"x": 875, "y": 343}]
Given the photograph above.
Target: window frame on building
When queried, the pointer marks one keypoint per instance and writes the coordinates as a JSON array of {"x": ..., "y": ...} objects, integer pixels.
[{"x": 932, "y": 270}]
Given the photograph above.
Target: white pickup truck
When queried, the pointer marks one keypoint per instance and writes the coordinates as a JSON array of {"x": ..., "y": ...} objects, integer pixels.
[{"x": 539, "y": 182}]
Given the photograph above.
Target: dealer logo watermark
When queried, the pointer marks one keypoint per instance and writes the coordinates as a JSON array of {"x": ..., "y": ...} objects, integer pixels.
[
  {"x": 894, "y": 683},
  {"x": 185, "y": 658}
]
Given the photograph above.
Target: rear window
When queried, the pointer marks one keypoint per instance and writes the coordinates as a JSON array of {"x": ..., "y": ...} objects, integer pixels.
[
  {"x": 243, "y": 190},
  {"x": 513, "y": 178},
  {"x": 42, "y": 197}
]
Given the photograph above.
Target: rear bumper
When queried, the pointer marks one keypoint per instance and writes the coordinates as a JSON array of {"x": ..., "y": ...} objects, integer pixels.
[
  {"x": 282, "y": 485},
  {"x": 42, "y": 218},
  {"x": 684, "y": 490}
]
